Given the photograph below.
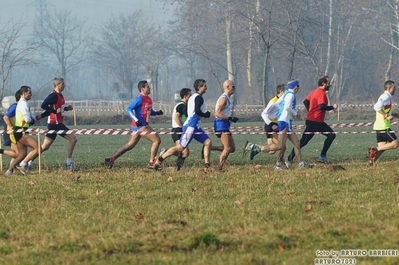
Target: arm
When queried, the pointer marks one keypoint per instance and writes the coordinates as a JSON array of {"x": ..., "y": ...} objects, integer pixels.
[
  {"x": 197, "y": 109},
  {"x": 306, "y": 102},
  {"x": 179, "y": 112},
  {"x": 131, "y": 108},
  {"x": 325, "y": 107},
  {"x": 8, "y": 121},
  {"x": 26, "y": 113},
  {"x": 268, "y": 112},
  {"x": 219, "y": 108},
  {"x": 379, "y": 105},
  {"x": 50, "y": 100},
  {"x": 156, "y": 112},
  {"x": 289, "y": 98}
]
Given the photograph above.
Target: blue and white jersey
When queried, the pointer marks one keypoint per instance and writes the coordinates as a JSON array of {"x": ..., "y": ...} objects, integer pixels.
[
  {"x": 193, "y": 119},
  {"x": 287, "y": 108},
  {"x": 220, "y": 124}
]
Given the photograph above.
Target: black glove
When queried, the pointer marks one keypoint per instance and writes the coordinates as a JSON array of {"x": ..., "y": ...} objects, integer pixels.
[
  {"x": 31, "y": 122},
  {"x": 233, "y": 119},
  {"x": 207, "y": 114},
  {"x": 159, "y": 112},
  {"x": 138, "y": 123}
]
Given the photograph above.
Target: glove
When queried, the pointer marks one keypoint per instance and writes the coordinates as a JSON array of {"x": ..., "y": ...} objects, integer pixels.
[
  {"x": 31, "y": 122},
  {"x": 69, "y": 107},
  {"x": 207, "y": 114},
  {"x": 233, "y": 119},
  {"x": 160, "y": 112},
  {"x": 138, "y": 123}
]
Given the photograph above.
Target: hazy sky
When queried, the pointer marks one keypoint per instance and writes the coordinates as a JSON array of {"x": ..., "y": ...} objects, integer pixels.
[{"x": 95, "y": 12}]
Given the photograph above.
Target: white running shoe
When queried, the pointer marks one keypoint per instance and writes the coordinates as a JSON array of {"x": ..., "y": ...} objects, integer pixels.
[{"x": 287, "y": 163}]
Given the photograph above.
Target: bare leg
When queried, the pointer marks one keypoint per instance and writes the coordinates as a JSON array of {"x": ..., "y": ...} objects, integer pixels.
[
  {"x": 133, "y": 140},
  {"x": 207, "y": 151},
  {"x": 228, "y": 147},
  {"x": 71, "y": 145},
  {"x": 297, "y": 146}
]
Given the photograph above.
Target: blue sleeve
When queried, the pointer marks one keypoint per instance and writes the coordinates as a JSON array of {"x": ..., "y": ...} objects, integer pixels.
[
  {"x": 49, "y": 100},
  {"x": 133, "y": 109},
  {"x": 11, "y": 110}
]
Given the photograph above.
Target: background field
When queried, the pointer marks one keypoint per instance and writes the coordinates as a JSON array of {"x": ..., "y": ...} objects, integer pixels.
[{"x": 250, "y": 214}]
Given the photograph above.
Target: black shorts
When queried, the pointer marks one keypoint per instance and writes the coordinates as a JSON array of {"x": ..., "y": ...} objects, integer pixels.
[
  {"x": 177, "y": 134},
  {"x": 219, "y": 133},
  {"x": 19, "y": 135},
  {"x": 385, "y": 136},
  {"x": 56, "y": 127},
  {"x": 269, "y": 129}
]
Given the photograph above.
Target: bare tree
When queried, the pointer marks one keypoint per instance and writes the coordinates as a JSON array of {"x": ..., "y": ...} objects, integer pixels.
[
  {"x": 393, "y": 12},
  {"x": 14, "y": 52},
  {"x": 117, "y": 49},
  {"x": 63, "y": 36}
]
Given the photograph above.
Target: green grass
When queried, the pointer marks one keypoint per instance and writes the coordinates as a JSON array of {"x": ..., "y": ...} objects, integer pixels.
[{"x": 250, "y": 214}]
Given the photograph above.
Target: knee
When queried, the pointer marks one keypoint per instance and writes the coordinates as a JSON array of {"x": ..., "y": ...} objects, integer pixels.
[
  {"x": 44, "y": 148},
  {"x": 157, "y": 141},
  {"x": 74, "y": 140},
  {"x": 230, "y": 149},
  {"x": 396, "y": 144},
  {"x": 208, "y": 143},
  {"x": 332, "y": 136}
]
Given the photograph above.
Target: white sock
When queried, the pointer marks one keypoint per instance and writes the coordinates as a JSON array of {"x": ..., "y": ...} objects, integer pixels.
[
  {"x": 69, "y": 161},
  {"x": 22, "y": 164}
]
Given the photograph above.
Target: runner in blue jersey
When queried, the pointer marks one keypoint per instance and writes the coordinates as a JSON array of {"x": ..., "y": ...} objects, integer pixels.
[{"x": 192, "y": 127}]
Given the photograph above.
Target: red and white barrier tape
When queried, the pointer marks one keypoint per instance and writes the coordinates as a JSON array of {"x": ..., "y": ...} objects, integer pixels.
[{"x": 243, "y": 131}]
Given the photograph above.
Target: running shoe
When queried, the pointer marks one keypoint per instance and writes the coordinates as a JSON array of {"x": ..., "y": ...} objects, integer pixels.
[
  {"x": 8, "y": 173},
  {"x": 323, "y": 159},
  {"x": 372, "y": 154},
  {"x": 71, "y": 167},
  {"x": 247, "y": 148},
  {"x": 109, "y": 163},
  {"x": 179, "y": 163},
  {"x": 163, "y": 150},
  {"x": 24, "y": 169},
  {"x": 151, "y": 165},
  {"x": 255, "y": 149},
  {"x": 288, "y": 163}
]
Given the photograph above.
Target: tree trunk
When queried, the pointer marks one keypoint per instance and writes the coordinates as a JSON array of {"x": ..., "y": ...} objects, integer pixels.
[
  {"x": 330, "y": 32},
  {"x": 229, "y": 53}
]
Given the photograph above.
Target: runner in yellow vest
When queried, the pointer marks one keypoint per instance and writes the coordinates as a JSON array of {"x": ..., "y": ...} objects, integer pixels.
[{"x": 386, "y": 139}]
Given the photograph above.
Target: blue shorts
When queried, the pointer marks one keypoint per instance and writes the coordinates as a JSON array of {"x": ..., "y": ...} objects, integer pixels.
[
  {"x": 190, "y": 133},
  {"x": 57, "y": 127},
  {"x": 282, "y": 125},
  {"x": 221, "y": 125},
  {"x": 135, "y": 129}
]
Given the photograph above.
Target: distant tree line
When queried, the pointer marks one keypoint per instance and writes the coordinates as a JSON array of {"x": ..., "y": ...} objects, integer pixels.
[{"x": 257, "y": 43}]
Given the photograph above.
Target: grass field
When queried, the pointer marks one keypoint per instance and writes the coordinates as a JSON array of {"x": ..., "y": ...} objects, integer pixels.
[{"x": 250, "y": 214}]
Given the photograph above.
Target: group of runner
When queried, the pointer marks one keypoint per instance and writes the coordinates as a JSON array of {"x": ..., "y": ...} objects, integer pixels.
[
  {"x": 278, "y": 116},
  {"x": 186, "y": 125},
  {"x": 19, "y": 118}
]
